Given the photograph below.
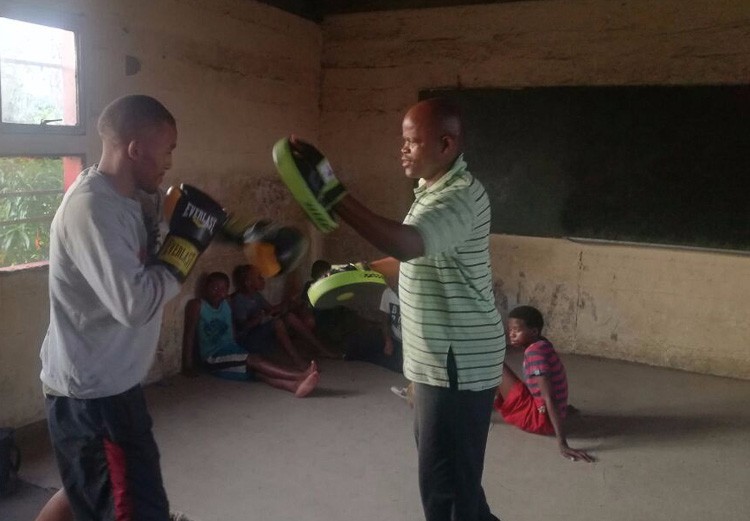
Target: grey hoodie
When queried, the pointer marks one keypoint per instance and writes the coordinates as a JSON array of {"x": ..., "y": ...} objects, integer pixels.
[{"x": 105, "y": 301}]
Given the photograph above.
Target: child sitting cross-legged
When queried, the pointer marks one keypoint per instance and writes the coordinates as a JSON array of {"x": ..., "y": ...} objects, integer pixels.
[
  {"x": 208, "y": 322},
  {"x": 255, "y": 320},
  {"x": 539, "y": 404}
]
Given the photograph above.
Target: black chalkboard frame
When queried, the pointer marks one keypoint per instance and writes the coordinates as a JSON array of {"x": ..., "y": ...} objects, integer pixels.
[{"x": 667, "y": 166}]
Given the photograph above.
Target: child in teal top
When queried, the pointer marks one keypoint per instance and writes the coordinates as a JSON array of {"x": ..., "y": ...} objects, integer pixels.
[{"x": 209, "y": 321}]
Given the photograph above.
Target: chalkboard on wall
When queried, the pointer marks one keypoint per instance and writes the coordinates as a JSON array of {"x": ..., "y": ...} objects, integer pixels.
[{"x": 652, "y": 164}]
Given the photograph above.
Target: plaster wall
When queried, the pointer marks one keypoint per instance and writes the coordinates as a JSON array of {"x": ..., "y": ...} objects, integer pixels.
[
  {"x": 666, "y": 307},
  {"x": 670, "y": 308},
  {"x": 237, "y": 75}
]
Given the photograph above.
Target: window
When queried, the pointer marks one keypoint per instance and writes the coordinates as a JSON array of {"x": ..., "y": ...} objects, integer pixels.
[
  {"x": 38, "y": 76},
  {"x": 42, "y": 136},
  {"x": 31, "y": 189}
]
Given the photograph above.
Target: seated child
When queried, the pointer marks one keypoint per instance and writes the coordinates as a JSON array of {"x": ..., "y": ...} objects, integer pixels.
[
  {"x": 381, "y": 346},
  {"x": 296, "y": 301},
  {"x": 391, "y": 325},
  {"x": 539, "y": 405},
  {"x": 332, "y": 325},
  {"x": 326, "y": 322},
  {"x": 209, "y": 321},
  {"x": 258, "y": 325},
  {"x": 317, "y": 271}
]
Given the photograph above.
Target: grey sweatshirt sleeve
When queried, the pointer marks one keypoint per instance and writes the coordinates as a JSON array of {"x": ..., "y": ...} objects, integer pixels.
[{"x": 107, "y": 244}]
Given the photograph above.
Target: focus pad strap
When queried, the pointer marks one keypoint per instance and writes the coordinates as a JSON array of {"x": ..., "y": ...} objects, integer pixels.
[
  {"x": 295, "y": 180},
  {"x": 170, "y": 202}
]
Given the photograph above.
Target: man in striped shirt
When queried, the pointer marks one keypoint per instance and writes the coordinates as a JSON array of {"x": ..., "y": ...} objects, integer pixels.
[
  {"x": 541, "y": 404},
  {"x": 453, "y": 338}
]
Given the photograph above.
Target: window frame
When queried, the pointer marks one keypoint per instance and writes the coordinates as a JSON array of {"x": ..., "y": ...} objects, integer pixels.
[
  {"x": 33, "y": 264},
  {"x": 56, "y": 20},
  {"x": 27, "y": 140}
]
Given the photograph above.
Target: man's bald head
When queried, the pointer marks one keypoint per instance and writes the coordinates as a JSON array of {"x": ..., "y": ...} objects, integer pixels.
[
  {"x": 129, "y": 117},
  {"x": 441, "y": 116},
  {"x": 432, "y": 131}
]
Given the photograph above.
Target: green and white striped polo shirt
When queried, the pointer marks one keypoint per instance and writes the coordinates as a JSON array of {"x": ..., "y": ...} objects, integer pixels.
[{"x": 446, "y": 296}]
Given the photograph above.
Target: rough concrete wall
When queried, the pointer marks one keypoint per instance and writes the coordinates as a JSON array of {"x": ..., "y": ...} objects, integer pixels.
[
  {"x": 24, "y": 315},
  {"x": 664, "y": 307},
  {"x": 237, "y": 75}
]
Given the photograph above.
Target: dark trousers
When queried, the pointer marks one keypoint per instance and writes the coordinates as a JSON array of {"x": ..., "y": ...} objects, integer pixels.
[
  {"x": 451, "y": 429},
  {"x": 107, "y": 456}
]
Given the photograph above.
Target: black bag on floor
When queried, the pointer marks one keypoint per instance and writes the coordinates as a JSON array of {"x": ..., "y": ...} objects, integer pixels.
[{"x": 10, "y": 461}]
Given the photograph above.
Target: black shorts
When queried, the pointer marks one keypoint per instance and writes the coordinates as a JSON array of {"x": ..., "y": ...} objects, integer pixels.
[{"x": 107, "y": 456}]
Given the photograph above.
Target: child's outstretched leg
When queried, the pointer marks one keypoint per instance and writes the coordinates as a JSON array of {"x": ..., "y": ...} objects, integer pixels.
[
  {"x": 301, "y": 383},
  {"x": 509, "y": 381},
  {"x": 286, "y": 343},
  {"x": 57, "y": 508},
  {"x": 307, "y": 385},
  {"x": 301, "y": 387},
  {"x": 308, "y": 336}
]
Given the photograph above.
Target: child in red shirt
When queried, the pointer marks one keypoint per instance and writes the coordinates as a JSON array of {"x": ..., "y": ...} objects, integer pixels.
[{"x": 539, "y": 404}]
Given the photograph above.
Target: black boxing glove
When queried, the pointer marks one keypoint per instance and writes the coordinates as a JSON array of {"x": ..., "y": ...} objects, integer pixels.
[{"x": 194, "y": 218}]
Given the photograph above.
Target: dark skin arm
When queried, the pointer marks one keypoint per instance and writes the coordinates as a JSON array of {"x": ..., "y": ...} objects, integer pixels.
[
  {"x": 386, "y": 329},
  {"x": 388, "y": 267},
  {"x": 391, "y": 237},
  {"x": 192, "y": 316},
  {"x": 275, "y": 310},
  {"x": 401, "y": 241},
  {"x": 545, "y": 387},
  {"x": 250, "y": 321}
]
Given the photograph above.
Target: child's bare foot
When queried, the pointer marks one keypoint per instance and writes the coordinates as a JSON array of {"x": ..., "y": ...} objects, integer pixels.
[
  {"x": 312, "y": 368},
  {"x": 307, "y": 385}
]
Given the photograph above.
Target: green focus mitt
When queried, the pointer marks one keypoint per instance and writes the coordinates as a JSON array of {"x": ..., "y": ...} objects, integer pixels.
[
  {"x": 350, "y": 285},
  {"x": 310, "y": 178}
]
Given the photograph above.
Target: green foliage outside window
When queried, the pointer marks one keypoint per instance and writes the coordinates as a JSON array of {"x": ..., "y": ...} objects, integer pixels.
[{"x": 31, "y": 189}]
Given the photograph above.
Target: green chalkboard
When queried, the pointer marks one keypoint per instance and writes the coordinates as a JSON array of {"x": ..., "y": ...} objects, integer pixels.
[{"x": 653, "y": 164}]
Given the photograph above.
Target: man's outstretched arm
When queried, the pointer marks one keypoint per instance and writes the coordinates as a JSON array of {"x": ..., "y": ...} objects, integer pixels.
[{"x": 398, "y": 240}]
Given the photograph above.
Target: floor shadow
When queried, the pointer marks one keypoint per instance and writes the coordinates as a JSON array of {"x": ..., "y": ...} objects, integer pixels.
[
  {"x": 322, "y": 392},
  {"x": 25, "y": 503},
  {"x": 644, "y": 429}
]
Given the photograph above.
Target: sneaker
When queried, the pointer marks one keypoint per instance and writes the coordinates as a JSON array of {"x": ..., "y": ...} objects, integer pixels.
[{"x": 401, "y": 392}]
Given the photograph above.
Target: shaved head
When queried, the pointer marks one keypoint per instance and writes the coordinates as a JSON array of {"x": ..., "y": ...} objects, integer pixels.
[
  {"x": 433, "y": 138},
  {"x": 441, "y": 116},
  {"x": 129, "y": 117},
  {"x": 138, "y": 136}
]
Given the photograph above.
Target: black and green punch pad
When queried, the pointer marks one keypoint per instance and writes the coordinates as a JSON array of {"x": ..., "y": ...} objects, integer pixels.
[
  {"x": 347, "y": 286},
  {"x": 293, "y": 171}
]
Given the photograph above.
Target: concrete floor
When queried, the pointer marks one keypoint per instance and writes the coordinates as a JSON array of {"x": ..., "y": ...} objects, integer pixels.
[{"x": 670, "y": 446}]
